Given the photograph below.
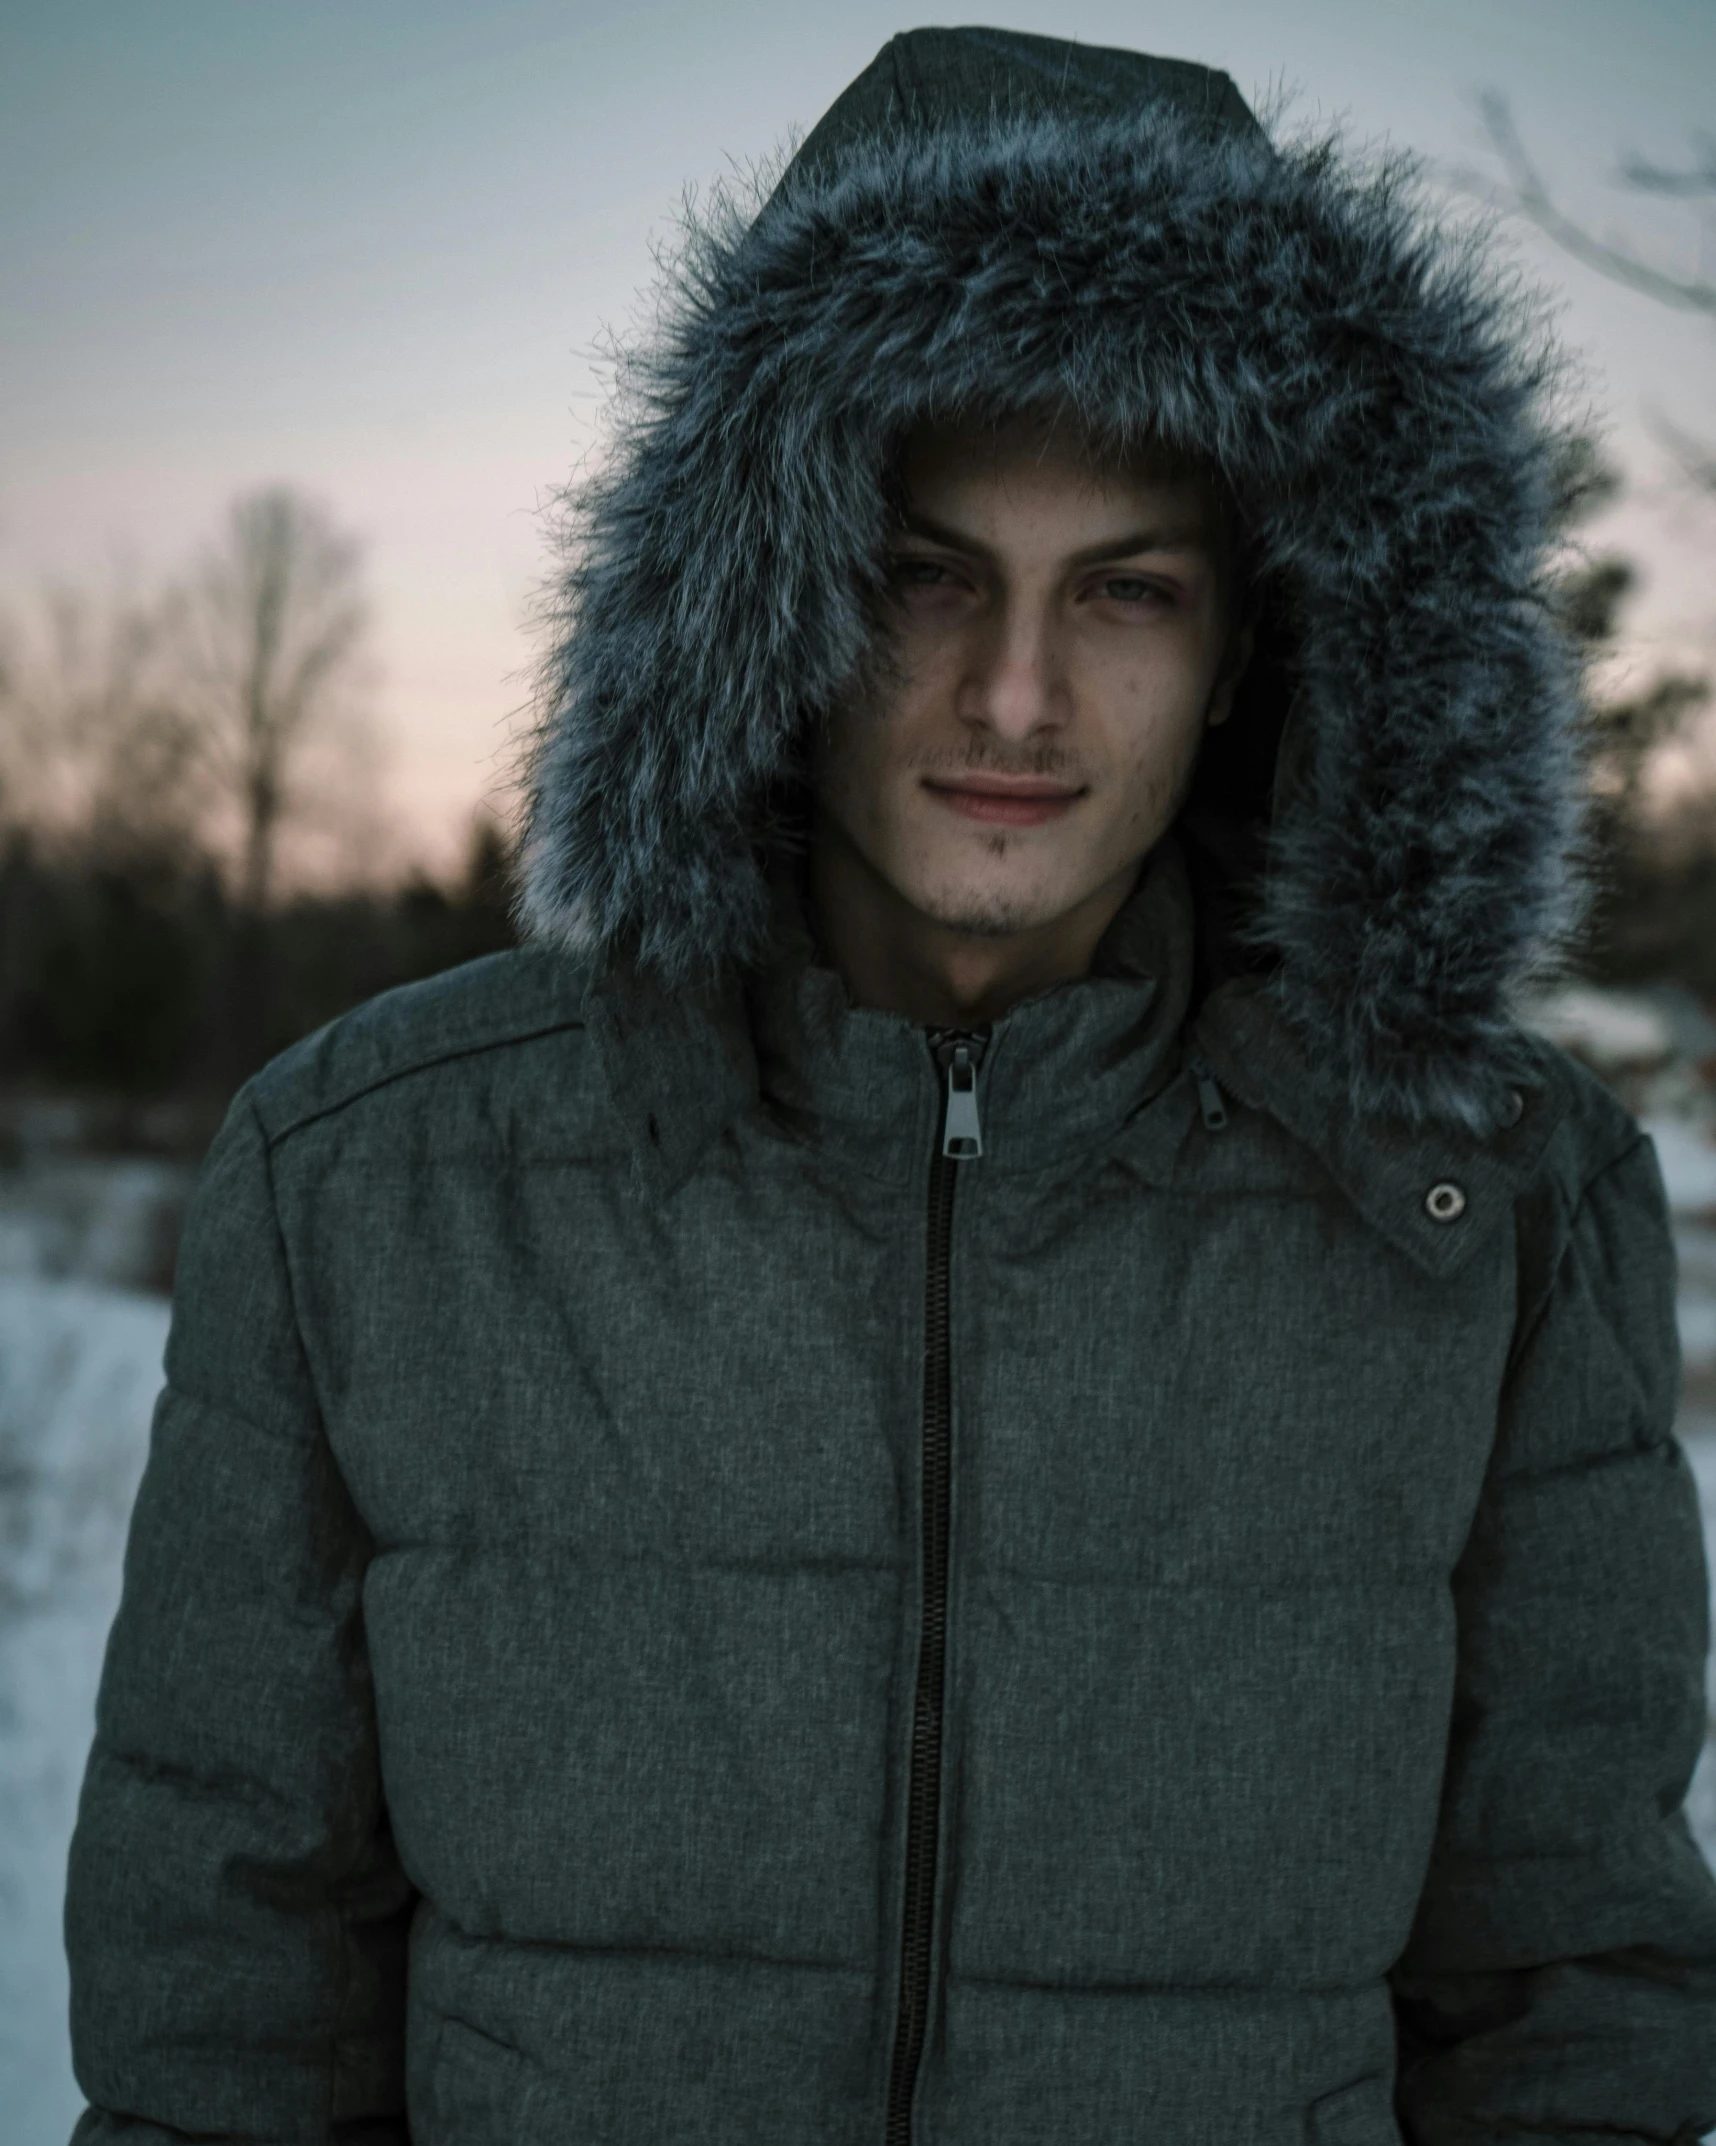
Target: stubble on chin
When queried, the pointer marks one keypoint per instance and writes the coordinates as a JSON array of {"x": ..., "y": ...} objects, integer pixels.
[{"x": 993, "y": 911}]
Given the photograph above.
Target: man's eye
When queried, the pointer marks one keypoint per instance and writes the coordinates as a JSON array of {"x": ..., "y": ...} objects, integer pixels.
[
  {"x": 920, "y": 573},
  {"x": 1131, "y": 589}
]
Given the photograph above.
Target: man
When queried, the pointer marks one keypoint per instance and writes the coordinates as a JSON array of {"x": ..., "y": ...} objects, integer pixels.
[{"x": 985, "y": 1458}]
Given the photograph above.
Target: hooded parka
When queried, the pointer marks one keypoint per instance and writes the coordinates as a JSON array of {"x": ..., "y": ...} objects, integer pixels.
[{"x": 718, "y": 1569}]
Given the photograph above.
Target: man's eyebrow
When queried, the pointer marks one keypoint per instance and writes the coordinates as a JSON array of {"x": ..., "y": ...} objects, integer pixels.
[{"x": 1183, "y": 536}]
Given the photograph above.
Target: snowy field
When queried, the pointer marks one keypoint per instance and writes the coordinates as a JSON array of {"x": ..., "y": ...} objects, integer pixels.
[
  {"x": 80, "y": 1364},
  {"x": 79, "y": 1368}
]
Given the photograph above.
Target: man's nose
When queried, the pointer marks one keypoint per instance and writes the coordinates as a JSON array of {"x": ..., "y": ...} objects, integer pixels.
[{"x": 1017, "y": 686}]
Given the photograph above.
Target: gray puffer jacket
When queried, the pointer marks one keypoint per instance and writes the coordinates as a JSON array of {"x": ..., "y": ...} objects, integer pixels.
[{"x": 667, "y": 1609}]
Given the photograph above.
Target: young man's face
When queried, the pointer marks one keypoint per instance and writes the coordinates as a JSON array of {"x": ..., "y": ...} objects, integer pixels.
[{"x": 1063, "y": 636}]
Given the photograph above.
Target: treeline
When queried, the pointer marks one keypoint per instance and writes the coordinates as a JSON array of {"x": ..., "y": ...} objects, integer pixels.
[
  {"x": 1651, "y": 858},
  {"x": 1655, "y": 916},
  {"x": 195, "y": 865},
  {"x": 144, "y": 976}
]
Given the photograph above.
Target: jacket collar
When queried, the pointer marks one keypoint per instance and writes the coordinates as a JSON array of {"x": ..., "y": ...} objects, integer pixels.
[
  {"x": 1435, "y": 1192},
  {"x": 1061, "y": 1071}
]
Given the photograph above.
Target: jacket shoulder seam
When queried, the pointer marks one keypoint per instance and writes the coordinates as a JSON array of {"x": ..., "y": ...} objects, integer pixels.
[{"x": 444, "y": 1054}]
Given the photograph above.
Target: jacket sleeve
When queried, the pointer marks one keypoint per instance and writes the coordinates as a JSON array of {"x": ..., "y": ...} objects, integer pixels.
[
  {"x": 235, "y": 1912},
  {"x": 1560, "y": 1979}
]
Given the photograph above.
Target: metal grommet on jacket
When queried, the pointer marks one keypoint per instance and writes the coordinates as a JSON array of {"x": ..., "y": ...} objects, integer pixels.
[{"x": 1445, "y": 1202}]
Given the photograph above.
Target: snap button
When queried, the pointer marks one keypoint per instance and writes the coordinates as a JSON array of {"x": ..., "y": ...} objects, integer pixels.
[{"x": 1445, "y": 1202}]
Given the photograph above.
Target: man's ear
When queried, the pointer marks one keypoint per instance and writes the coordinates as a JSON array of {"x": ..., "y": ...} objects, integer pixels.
[{"x": 1233, "y": 668}]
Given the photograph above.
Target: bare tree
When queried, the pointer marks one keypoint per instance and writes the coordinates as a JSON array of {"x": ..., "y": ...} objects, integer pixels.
[
  {"x": 97, "y": 745},
  {"x": 1524, "y": 191},
  {"x": 1527, "y": 191},
  {"x": 188, "y": 722},
  {"x": 271, "y": 634}
]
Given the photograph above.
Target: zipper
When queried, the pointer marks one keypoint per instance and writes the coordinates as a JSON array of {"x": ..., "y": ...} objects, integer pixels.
[
  {"x": 1210, "y": 1104},
  {"x": 959, "y": 1053}
]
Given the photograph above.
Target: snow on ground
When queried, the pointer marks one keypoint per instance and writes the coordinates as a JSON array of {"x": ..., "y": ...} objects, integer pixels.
[
  {"x": 1687, "y": 1154},
  {"x": 80, "y": 1363},
  {"x": 95, "y": 1218},
  {"x": 1697, "y": 1307}
]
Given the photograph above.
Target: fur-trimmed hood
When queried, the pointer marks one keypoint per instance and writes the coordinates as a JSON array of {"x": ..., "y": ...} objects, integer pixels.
[{"x": 986, "y": 221}]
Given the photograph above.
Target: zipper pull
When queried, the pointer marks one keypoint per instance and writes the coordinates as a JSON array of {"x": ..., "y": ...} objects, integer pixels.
[
  {"x": 1210, "y": 1104},
  {"x": 960, "y": 1052}
]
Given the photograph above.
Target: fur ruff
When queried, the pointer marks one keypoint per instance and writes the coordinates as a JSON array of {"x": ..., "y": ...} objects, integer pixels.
[{"x": 1371, "y": 389}]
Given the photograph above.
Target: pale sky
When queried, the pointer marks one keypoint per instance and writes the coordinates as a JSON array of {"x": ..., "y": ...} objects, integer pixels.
[{"x": 370, "y": 247}]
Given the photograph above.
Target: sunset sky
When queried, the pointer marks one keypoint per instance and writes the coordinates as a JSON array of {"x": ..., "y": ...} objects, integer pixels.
[{"x": 370, "y": 248}]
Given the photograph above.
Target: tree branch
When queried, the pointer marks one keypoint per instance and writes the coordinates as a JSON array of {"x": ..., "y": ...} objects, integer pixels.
[
  {"x": 1530, "y": 197},
  {"x": 1696, "y": 183}
]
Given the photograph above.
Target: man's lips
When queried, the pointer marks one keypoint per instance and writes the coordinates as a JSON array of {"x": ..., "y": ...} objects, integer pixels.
[{"x": 1018, "y": 801}]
